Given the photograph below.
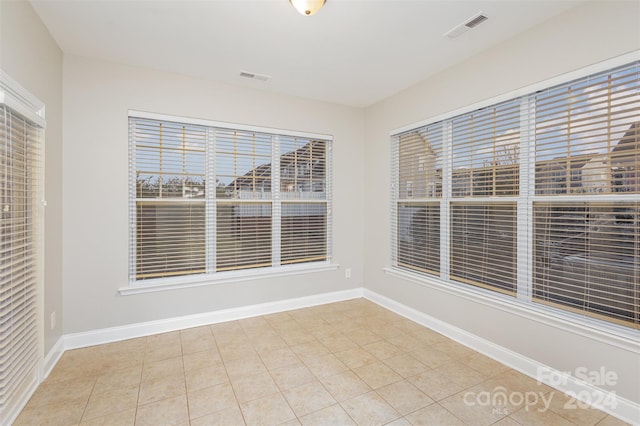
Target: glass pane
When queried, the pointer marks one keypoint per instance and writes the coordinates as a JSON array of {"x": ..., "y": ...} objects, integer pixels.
[
  {"x": 420, "y": 163},
  {"x": 170, "y": 239},
  {"x": 483, "y": 244},
  {"x": 419, "y": 236},
  {"x": 304, "y": 232},
  {"x": 486, "y": 151},
  {"x": 587, "y": 135},
  {"x": 303, "y": 168},
  {"x": 587, "y": 257},
  {"x": 243, "y": 235}
]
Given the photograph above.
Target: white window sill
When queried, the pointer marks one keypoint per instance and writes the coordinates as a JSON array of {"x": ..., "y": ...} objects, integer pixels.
[{"x": 176, "y": 283}]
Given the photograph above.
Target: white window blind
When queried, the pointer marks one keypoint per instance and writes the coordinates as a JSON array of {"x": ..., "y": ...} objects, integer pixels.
[
  {"x": 169, "y": 198},
  {"x": 587, "y": 250},
  {"x": 419, "y": 159},
  {"x": 211, "y": 199},
  {"x": 244, "y": 222},
  {"x": 534, "y": 197},
  {"x": 20, "y": 242}
]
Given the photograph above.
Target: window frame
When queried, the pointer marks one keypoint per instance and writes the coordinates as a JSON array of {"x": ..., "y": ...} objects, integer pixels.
[
  {"x": 211, "y": 276},
  {"x": 522, "y": 303}
]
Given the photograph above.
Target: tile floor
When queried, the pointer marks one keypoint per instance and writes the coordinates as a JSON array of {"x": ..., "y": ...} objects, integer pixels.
[{"x": 344, "y": 363}]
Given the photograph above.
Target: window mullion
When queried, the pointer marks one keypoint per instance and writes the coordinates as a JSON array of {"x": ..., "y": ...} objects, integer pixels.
[
  {"x": 445, "y": 203},
  {"x": 395, "y": 168},
  {"x": 527, "y": 188},
  {"x": 210, "y": 200},
  {"x": 276, "y": 208},
  {"x": 133, "y": 260}
]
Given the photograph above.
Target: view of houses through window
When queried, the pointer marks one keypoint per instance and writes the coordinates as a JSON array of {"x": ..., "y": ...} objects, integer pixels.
[
  {"x": 536, "y": 197},
  {"x": 208, "y": 199}
]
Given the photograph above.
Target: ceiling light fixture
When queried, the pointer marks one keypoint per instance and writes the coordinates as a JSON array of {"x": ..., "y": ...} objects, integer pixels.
[{"x": 307, "y": 7}]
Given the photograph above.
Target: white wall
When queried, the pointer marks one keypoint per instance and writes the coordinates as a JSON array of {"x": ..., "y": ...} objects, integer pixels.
[
  {"x": 31, "y": 57},
  {"x": 584, "y": 35},
  {"x": 97, "y": 96}
]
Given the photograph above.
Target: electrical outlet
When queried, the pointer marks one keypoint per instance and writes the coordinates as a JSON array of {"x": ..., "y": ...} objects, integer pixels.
[
  {"x": 53, "y": 320},
  {"x": 347, "y": 273}
]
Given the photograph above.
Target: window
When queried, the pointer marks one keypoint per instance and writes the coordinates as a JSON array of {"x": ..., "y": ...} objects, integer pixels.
[
  {"x": 21, "y": 124},
  {"x": 535, "y": 198},
  {"x": 208, "y": 198}
]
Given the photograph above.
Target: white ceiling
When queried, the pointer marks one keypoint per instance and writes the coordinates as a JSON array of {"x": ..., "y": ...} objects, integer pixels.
[{"x": 352, "y": 52}]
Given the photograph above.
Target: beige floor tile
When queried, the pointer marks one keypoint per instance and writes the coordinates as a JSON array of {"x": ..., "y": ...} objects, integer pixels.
[
  {"x": 573, "y": 410},
  {"x": 406, "y": 365},
  {"x": 514, "y": 381},
  {"x": 377, "y": 375},
  {"x": 356, "y": 357},
  {"x": 308, "y": 398},
  {"x": 68, "y": 412},
  {"x": 506, "y": 421},
  {"x": 474, "y": 409},
  {"x": 404, "y": 397},
  {"x": 454, "y": 349},
  {"x": 332, "y": 415},
  {"x": 172, "y": 411},
  {"x": 612, "y": 421},
  {"x": 164, "y": 352},
  {"x": 161, "y": 388},
  {"x": 267, "y": 411},
  {"x": 268, "y": 343},
  {"x": 311, "y": 349},
  {"x": 363, "y": 336},
  {"x": 123, "y": 418},
  {"x": 248, "y": 366},
  {"x": 296, "y": 336},
  {"x": 399, "y": 422},
  {"x": 118, "y": 379},
  {"x": 205, "y": 377},
  {"x": 237, "y": 371},
  {"x": 209, "y": 400},
  {"x": 539, "y": 415},
  {"x": 369, "y": 409},
  {"x": 114, "y": 401},
  {"x": 62, "y": 390},
  {"x": 433, "y": 414},
  {"x": 227, "y": 417},
  {"x": 428, "y": 336},
  {"x": 405, "y": 342},
  {"x": 461, "y": 374},
  {"x": 484, "y": 364},
  {"x": 292, "y": 376},
  {"x": 430, "y": 357},
  {"x": 158, "y": 369},
  {"x": 279, "y": 358},
  {"x": 345, "y": 385},
  {"x": 383, "y": 350},
  {"x": 325, "y": 366},
  {"x": 248, "y": 388},
  {"x": 435, "y": 384},
  {"x": 203, "y": 359},
  {"x": 235, "y": 351},
  {"x": 337, "y": 342}
]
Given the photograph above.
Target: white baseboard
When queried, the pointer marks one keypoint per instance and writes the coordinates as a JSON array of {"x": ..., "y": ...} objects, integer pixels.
[
  {"x": 114, "y": 334},
  {"x": 52, "y": 358},
  {"x": 606, "y": 401},
  {"x": 621, "y": 408}
]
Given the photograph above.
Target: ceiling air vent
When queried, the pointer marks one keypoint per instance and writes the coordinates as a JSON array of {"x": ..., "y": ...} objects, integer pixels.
[
  {"x": 255, "y": 76},
  {"x": 462, "y": 28}
]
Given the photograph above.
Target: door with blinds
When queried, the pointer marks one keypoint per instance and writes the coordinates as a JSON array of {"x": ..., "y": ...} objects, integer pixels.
[{"x": 20, "y": 190}]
